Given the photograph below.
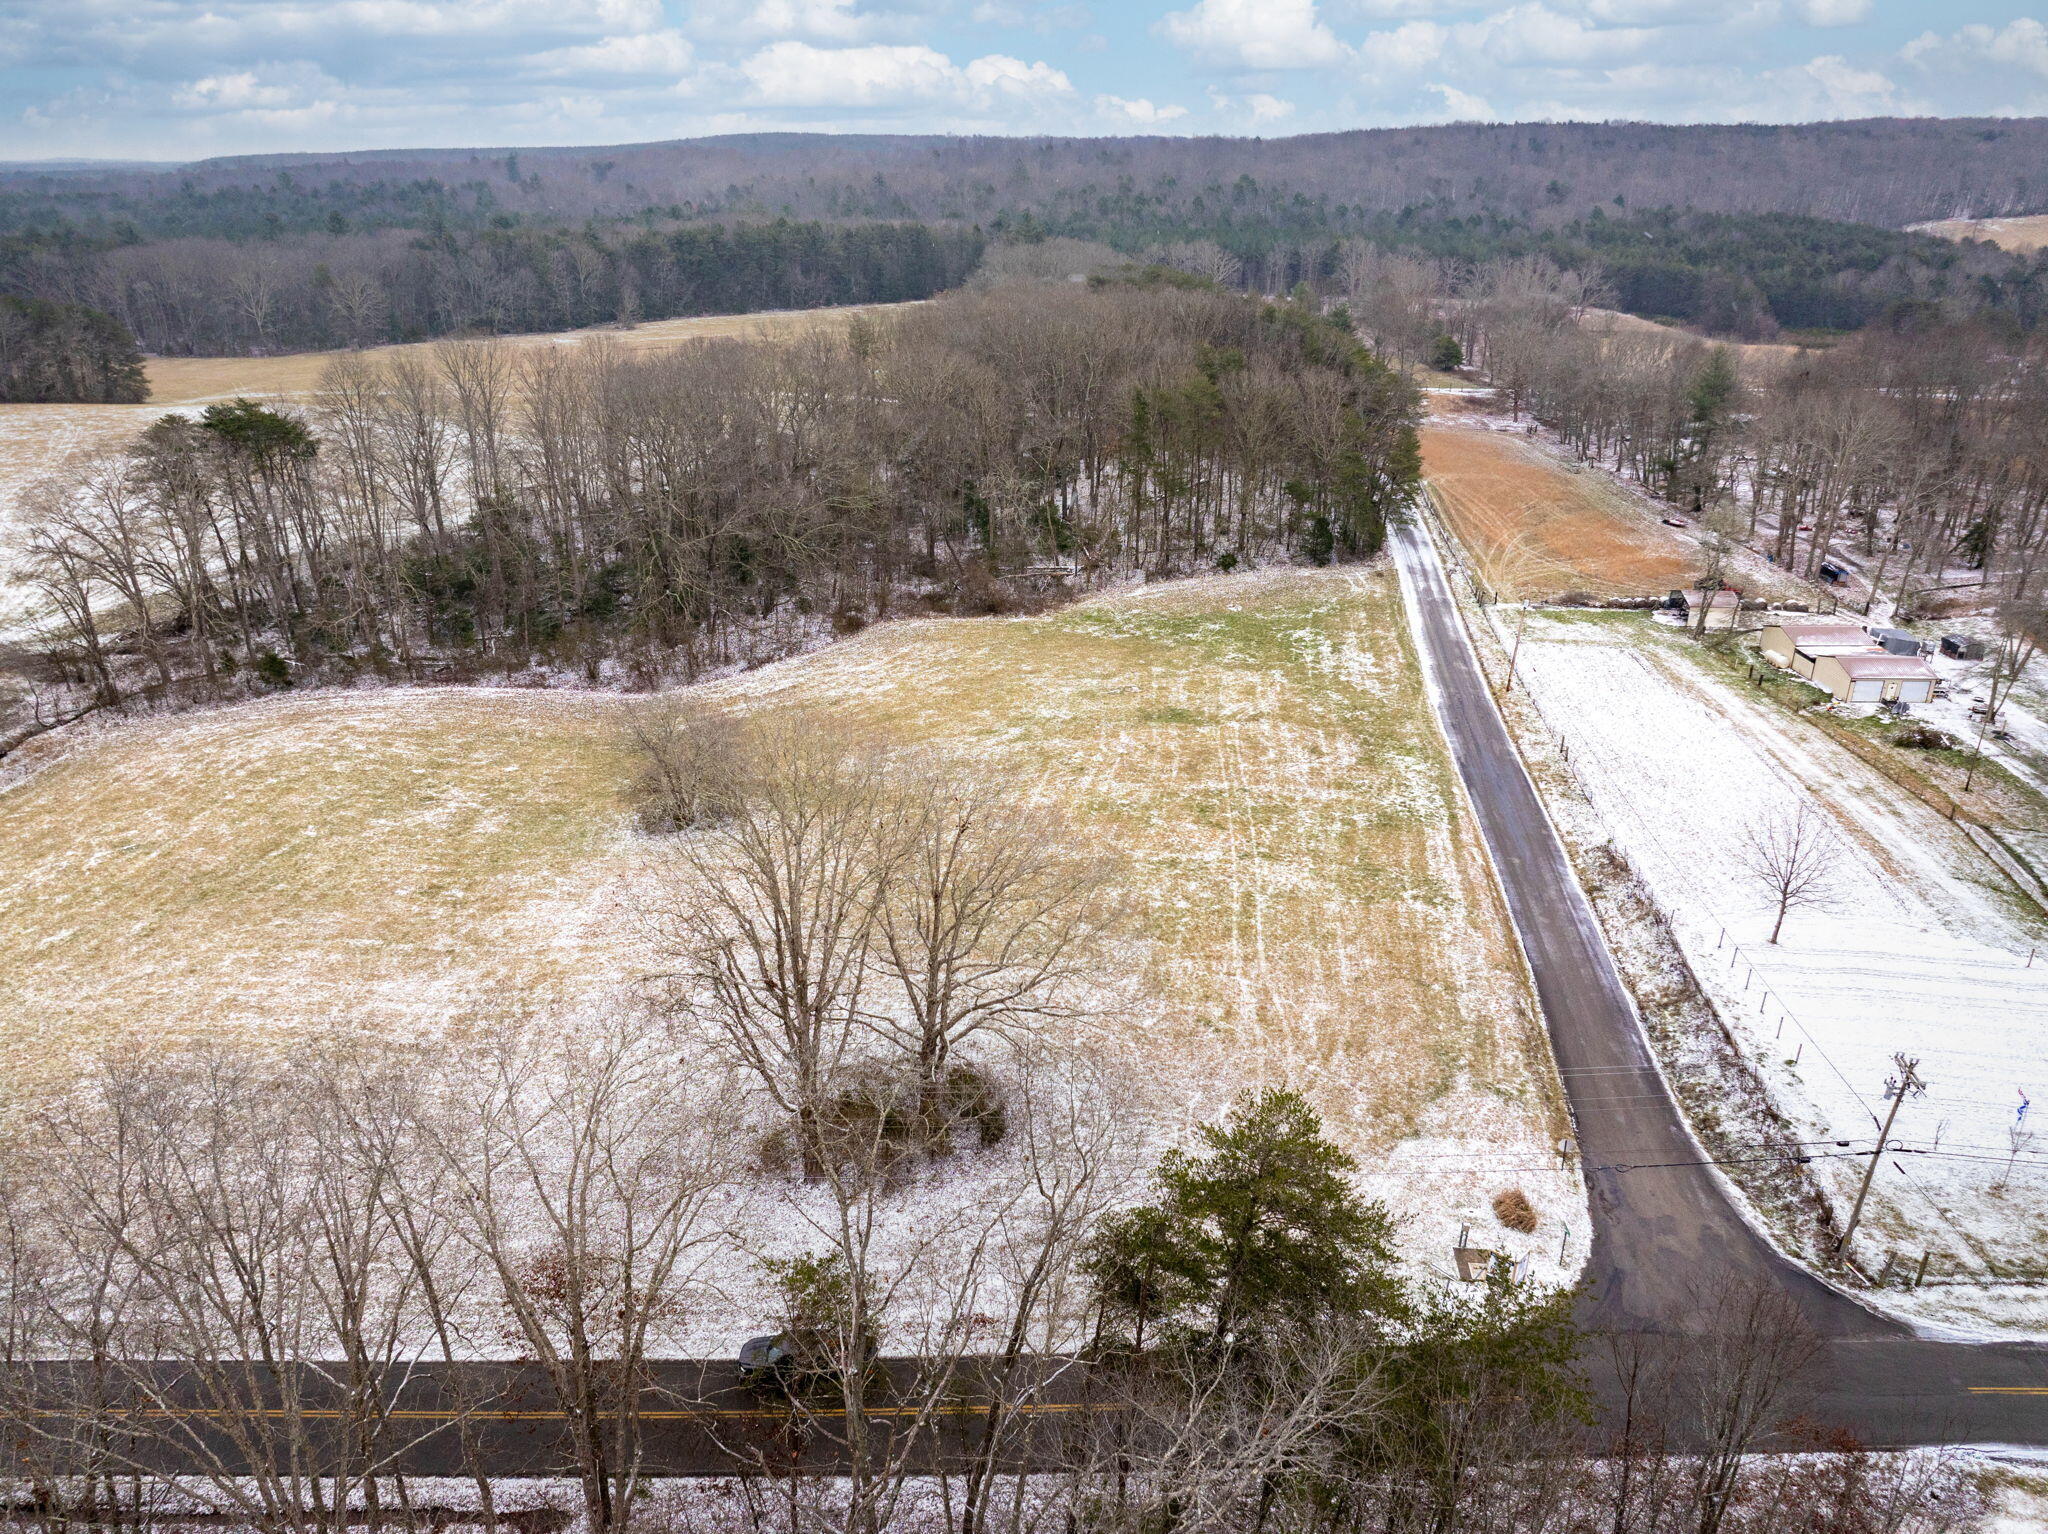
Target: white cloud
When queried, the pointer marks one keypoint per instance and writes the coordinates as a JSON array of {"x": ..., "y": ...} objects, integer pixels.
[
  {"x": 266, "y": 88},
  {"x": 1833, "y": 13},
  {"x": 1403, "y": 50},
  {"x": 1255, "y": 34},
  {"x": 799, "y": 75},
  {"x": 231, "y": 93},
  {"x": 2020, "y": 44},
  {"x": 1533, "y": 33},
  {"x": 1137, "y": 111},
  {"x": 1462, "y": 107},
  {"x": 1255, "y": 109},
  {"x": 442, "y": 18},
  {"x": 829, "y": 20},
  {"x": 666, "y": 52},
  {"x": 1836, "y": 88},
  {"x": 794, "y": 74}
]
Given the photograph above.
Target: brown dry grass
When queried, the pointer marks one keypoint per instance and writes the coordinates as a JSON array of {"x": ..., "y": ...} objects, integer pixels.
[
  {"x": 1513, "y": 1209},
  {"x": 1614, "y": 322},
  {"x": 2029, "y": 232},
  {"x": 382, "y": 860},
  {"x": 1315, "y": 907},
  {"x": 199, "y": 380},
  {"x": 1535, "y": 530}
]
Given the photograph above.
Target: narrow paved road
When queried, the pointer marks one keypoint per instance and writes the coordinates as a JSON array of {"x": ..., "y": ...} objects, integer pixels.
[{"x": 1667, "y": 1240}]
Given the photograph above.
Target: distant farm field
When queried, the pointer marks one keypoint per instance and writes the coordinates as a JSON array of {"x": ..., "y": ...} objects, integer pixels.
[
  {"x": 199, "y": 380},
  {"x": 1533, "y": 529},
  {"x": 2029, "y": 232},
  {"x": 1615, "y": 323},
  {"x": 1312, "y": 902}
]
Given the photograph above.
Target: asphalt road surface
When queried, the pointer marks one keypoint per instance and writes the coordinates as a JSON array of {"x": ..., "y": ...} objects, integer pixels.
[{"x": 1667, "y": 1244}]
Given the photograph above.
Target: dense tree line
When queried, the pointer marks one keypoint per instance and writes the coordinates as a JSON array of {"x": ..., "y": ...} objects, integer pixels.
[
  {"x": 1886, "y": 172},
  {"x": 671, "y": 512},
  {"x": 66, "y": 352},
  {"x": 1740, "y": 275},
  {"x": 214, "y": 296},
  {"x": 1916, "y": 450},
  {"x": 1781, "y": 226}
]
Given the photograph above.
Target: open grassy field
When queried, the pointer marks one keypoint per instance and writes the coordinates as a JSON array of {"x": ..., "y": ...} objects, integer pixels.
[
  {"x": 1533, "y": 529},
  {"x": 201, "y": 380},
  {"x": 1614, "y": 322},
  {"x": 1314, "y": 905},
  {"x": 2029, "y": 232}
]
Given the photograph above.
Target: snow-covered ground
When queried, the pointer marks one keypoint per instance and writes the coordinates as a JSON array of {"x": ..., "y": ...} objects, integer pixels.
[
  {"x": 1924, "y": 950},
  {"x": 36, "y": 441},
  {"x": 1312, "y": 903}
]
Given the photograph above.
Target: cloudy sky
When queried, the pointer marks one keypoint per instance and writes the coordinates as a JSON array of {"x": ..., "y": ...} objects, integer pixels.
[{"x": 183, "y": 79}]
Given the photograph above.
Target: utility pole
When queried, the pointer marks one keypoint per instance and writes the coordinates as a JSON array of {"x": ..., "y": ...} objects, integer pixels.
[
  {"x": 1898, "y": 1088},
  {"x": 1515, "y": 653}
]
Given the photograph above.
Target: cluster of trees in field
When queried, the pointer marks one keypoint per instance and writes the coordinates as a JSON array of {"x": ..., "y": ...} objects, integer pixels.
[
  {"x": 1914, "y": 448},
  {"x": 258, "y": 1264},
  {"x": 213, "y": 296},
  {"x": 66, "y": 352},
  {"x": 661, "y": 513}
]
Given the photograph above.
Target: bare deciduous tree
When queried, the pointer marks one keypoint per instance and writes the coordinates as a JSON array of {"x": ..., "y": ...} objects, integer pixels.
[
  {"x": 583, "y": 1168},
  {"x": 988, "y": 917},
  {"x": 1796, "y": 857},
  {"x": 768, "y": 915}
]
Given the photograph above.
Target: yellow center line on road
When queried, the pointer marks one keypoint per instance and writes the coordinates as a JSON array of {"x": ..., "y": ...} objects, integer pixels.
[
  {"x": 437, "y": 1414},
  {"x": 2007, "y": 1390}
]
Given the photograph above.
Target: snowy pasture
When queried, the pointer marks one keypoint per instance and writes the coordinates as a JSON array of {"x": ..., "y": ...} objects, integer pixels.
[
  {"x": 1312, "y": 905},
  {"x": 35, "y": 442},
  {"x": 1922, "y": 948}
]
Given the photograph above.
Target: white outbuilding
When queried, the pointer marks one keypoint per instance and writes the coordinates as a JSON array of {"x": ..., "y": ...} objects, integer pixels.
[
  {"x": 1798, "y": 646},
  {"x": 1875, "y": 677}
]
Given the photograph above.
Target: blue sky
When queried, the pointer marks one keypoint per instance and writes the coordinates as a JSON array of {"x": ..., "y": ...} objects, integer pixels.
[{"x": 183, "y": 79}]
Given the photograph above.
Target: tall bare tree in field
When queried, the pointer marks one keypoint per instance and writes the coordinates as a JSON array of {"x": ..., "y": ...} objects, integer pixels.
[
  {"x": 988, "y": 917},
  {"x": 768, "y": 913},
  {"x": 1794, "y": 856}
]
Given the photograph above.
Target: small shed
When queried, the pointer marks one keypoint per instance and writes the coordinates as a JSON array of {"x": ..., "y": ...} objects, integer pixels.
[
  {"x": 1898, "y": 641},
  {"x": 1722, "y": 607},
  {"x": 1963, "y": 647},
  {"x": 1796, "y": 645},
  {"x": 1875, "y": 677}
]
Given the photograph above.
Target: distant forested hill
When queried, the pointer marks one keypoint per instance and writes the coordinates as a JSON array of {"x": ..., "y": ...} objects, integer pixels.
[
  {"x": 1736, "y": 228},
  {"x": 1880, "y": 171}
]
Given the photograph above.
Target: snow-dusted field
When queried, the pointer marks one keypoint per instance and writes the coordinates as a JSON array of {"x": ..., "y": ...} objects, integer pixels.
[
  {"x": 1923, "y": 950},
  {"x": 1313, "y": 904},
  {"x": 35, "y": 442}
]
